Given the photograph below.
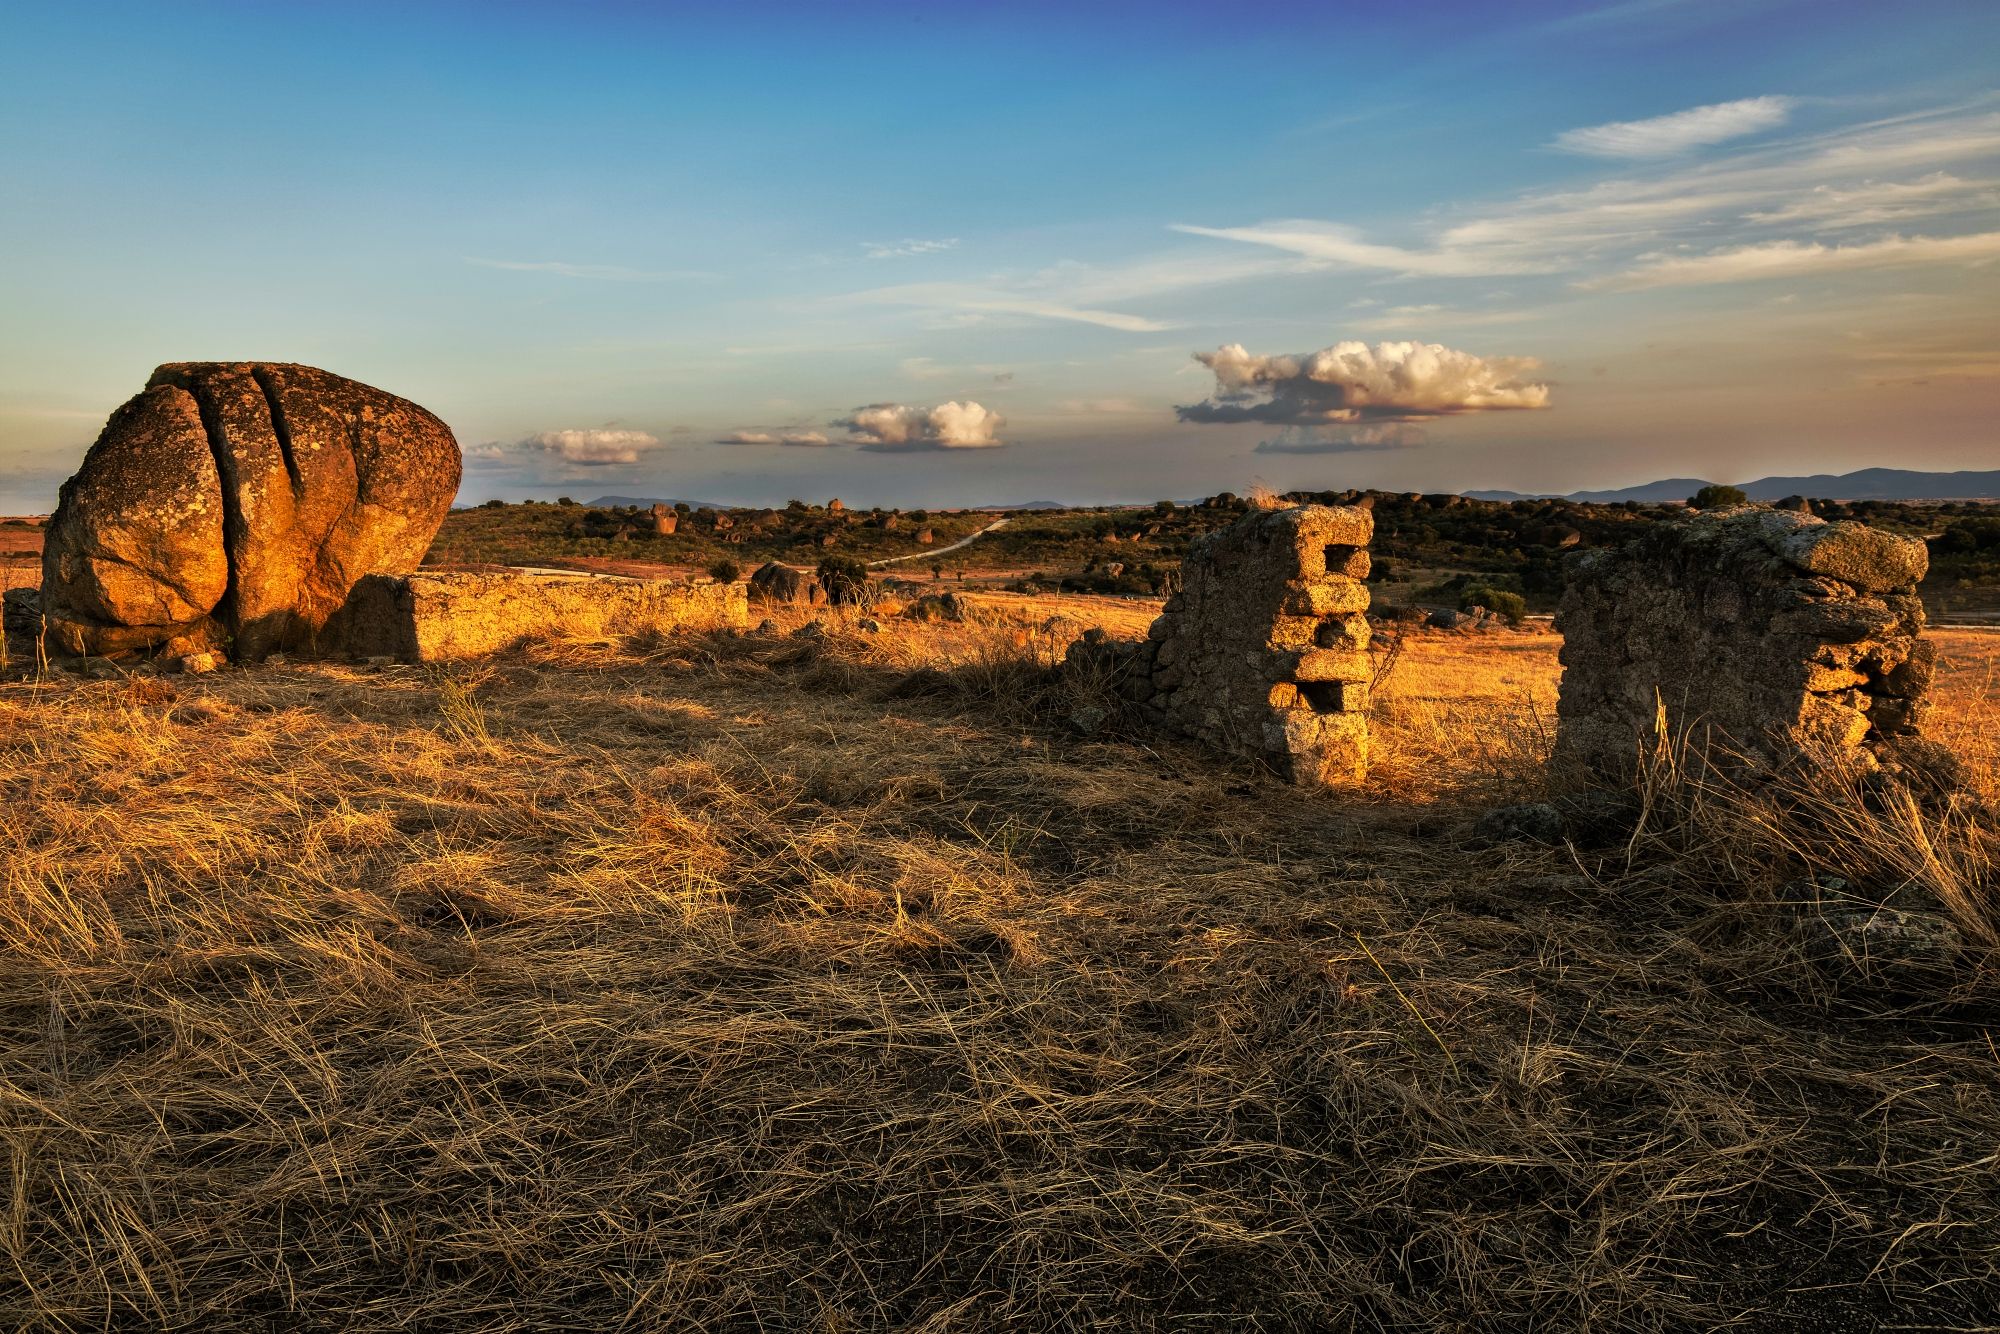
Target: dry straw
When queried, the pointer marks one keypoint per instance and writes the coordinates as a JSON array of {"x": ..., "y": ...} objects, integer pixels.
[{"x": 833, "y": 984}]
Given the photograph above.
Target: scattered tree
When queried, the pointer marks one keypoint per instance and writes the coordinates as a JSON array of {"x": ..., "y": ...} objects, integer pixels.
[{"x": 1714, "y": 497}]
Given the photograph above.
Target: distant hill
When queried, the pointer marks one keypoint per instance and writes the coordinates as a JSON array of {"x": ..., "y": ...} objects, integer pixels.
[{"x": 1867, "y": 484}]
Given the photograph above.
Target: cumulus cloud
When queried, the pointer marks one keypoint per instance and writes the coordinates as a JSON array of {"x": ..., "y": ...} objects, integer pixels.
[
  {"x": 1344, "y": 439},
  {"x": 906, "y": 247},
  {"x": 893, "y": 427},
  {"x": 599, "y": 447},
  {"x": 1793, "y": 259},
  {"x": 1352, "y": 382},
  {"x": 800, "y": 438},
  {"x": 1664, "y": 136}
]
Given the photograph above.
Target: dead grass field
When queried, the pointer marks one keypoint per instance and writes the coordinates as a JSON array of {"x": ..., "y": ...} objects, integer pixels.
[{"x": 765, "y": 983}]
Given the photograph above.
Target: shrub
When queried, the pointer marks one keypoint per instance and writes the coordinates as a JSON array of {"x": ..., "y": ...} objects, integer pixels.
[
  {"x": 494, "y": 505},
  {"x": 844, "y": 578},
  {"x": 1713, "y": 497},
  {"x": 565, "y": 501},
  {"x": 724, "y": 571},
  {"x": 1511, "y": 605}
]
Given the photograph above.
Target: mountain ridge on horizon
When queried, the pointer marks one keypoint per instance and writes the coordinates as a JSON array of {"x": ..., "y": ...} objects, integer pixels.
[{"x": 1862, "y": 484}]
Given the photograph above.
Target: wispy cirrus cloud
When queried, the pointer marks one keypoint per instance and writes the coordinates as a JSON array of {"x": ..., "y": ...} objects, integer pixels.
[
  {"x": 1794, "y": 259},
  {"x": 1374, "y": 438},
  {"x": 967, "y": 299},
  {"x": 1875, "y": 203},
  {"x": 796, "y": 439},
  {"x": 1334, "y": 244},
  {"x": 610, "y": 273},
  {"x": 1679, "y": 131},
  {"x": 907, "y": 247}
]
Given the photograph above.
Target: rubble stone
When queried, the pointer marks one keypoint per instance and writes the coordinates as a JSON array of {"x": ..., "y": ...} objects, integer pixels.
[
  {"x": 1760, "y": 634},
  {"x": 1263, "y": 652}
]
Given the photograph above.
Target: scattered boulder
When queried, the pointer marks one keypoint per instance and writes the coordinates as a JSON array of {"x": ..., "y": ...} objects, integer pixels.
[
  {"x": 239, "y": 503},
  {"x": 777, "y": 582}
]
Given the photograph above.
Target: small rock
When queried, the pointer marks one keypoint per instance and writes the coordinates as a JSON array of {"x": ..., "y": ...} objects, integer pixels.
[
  {"x": 868, "y": 625},
  {"x": 768, "y": 627},
  {"x": 1087, "y": 719},
  {"x": 810, "y": 630}
]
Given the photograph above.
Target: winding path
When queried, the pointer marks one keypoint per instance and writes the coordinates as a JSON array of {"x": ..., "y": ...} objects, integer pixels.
[{"x": 962, "y": 542}]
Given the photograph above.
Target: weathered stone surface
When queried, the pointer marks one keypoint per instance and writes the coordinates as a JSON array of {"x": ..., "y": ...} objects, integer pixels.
[
  {"x": 243, "y": 501},
  {"x": 1757, "y": 634},
  {"x": 1264, "y": 651},
  {"x": 428, "y": 617},
  {"x": 134, "y": 553}
]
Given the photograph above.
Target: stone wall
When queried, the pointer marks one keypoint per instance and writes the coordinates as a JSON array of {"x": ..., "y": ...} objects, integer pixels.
[
  {"x": 439, "y": 617},
  {"x": 1264, "y": 652},
  {"x": 1760, "y": 633}
]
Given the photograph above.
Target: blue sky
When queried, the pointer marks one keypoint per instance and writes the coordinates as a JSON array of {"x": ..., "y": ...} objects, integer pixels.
[{"x": 912, "y": 255}]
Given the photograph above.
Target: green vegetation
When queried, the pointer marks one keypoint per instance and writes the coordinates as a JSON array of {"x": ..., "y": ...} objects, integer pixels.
[
  {"x": 724, "y": 571},
  {"x": 1717, "y": 497}
]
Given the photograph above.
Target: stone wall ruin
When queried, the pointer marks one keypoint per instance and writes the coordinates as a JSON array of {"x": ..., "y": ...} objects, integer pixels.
[
  {"x": 1264, "y": 651},
  {"x": 1761, "y": 635}
]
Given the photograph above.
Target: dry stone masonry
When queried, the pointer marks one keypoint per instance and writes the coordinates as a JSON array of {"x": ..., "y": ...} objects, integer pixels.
[
  {"x": 1264, "y": 652},
  {"x": 236, "y": 503},
  {"x": 444, "y": 617},
  {"x": 1762, "y": 634}
]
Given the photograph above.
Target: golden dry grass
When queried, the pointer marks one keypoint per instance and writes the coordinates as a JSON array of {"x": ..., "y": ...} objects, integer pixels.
[{"x": 740, "y": 982}]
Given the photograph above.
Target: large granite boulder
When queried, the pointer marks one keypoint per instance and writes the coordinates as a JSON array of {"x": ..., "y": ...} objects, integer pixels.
[{"x": 238, "y": 503}]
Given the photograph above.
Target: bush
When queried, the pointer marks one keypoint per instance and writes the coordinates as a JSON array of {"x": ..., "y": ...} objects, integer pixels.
[
  {"x": 1714, "y": 497},
  {"x": 724, "y": 571},
  {"x": 566, "y": 502},
  {"x": 844, "y": 578},
  {"x": 494, "y": 505},
  {"x": 1502, "y": 603}
]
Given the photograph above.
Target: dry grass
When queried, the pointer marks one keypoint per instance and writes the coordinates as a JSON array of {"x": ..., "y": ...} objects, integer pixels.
[{"x": 774, "y": 983}]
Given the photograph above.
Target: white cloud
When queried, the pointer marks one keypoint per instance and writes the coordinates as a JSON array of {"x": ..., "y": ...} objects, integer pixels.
[
  {"x": 1369, "y": 439},
  {"x": 611, "y": 273},
  {"x": 906, "y": 247},
  {"x": 1329, "y": 243},
  {"x": 1874, "y": 203},
  {"x": 807, "y": 439},
  {"x": 1665, "y": 136},
  {"x": 593, "y": 448},
  {"x": 886, "y": 427},
  {"x": 1792, "y": 259},
  {"x": 1352, "y": 382},
  {"x": 1606, "y": 225},
  {"x": 968, "y": 300}
]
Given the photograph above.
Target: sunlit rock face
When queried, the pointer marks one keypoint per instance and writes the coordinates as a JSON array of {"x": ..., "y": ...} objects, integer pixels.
[
  {"x": 236, "y": 504},
  {"x": 1756, "y": 636}
]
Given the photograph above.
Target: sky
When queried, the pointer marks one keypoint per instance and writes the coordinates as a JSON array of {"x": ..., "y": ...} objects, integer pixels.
[{"x": 921, "y": 254}]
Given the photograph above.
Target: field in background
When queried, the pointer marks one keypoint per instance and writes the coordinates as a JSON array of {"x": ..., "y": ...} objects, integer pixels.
[{"x": 838, "y": 984}]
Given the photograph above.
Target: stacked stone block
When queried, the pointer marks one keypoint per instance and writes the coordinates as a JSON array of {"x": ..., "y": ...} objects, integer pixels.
[
  {"x": 1759, "y": 635},
  {"x": 1264, "y": 652}
]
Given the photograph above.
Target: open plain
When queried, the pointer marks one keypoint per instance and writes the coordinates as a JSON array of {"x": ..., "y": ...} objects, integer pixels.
[{"x": 835, "y": 981}]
